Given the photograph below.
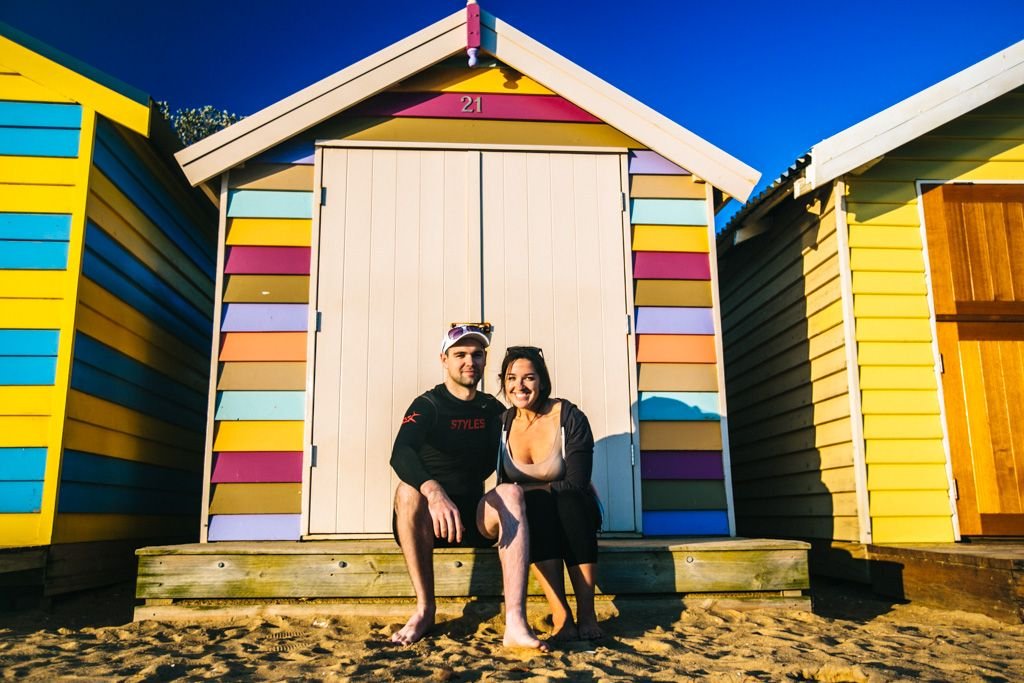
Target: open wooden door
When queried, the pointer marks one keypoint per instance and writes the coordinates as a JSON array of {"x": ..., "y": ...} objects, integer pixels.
[{"x": 976, "y": 252}]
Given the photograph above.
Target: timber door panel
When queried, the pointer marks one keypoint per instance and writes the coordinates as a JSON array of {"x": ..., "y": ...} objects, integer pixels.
[
  {"x": 554, "y": 277},
  {"x": 976, "y": 252},
  {"x": 399, "y": 259}
]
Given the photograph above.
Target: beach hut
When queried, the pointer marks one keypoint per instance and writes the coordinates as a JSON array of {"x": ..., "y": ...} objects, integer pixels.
[
  {"x": 106, "y": 296},
  {"x": 363, "y": 214},
  {"x": 873, "y": 308}
]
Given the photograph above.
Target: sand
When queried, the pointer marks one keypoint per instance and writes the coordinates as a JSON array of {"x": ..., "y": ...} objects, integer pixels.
[{"x": 850, "y": 636}]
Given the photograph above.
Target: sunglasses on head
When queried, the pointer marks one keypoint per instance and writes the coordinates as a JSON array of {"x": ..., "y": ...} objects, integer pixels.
[
  {"x": 459, "y": 330},
  {"x": 534, "y": 350}
]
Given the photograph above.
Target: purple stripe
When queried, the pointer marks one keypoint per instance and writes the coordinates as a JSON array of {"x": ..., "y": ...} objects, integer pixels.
[
  {"x": 453, "y": 105},
  {"x": 265, "y": 318},
  {"x": 258, "y": 467},
  {"x": 681, "y": 465},
  {"x": 267, "y": 261},
  {"x": 666, "y": 320},
  {"x": 293, "y": 152},
  {"x": 254, "y": 527},
  {"x": 661, "y": 265},
  {"x": 643, "y": 161}
]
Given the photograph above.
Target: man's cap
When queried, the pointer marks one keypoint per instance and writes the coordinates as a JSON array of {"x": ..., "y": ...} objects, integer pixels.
[{"x": 457, "y": 333}]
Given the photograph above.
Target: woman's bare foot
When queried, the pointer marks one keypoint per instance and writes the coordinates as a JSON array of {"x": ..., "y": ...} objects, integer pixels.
[
  {"x": 523, "y": 637},
  {"x": 417, "y": 626}
]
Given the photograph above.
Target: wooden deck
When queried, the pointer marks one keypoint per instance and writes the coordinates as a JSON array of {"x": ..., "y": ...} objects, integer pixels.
[{"x": 281, "y": 577}]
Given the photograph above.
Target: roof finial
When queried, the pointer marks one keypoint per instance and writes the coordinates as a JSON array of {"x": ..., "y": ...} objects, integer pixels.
[{"x": 472, "y": 30}]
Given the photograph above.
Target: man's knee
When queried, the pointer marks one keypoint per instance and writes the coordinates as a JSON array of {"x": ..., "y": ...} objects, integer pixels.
[{"x": 408, "y": 500}]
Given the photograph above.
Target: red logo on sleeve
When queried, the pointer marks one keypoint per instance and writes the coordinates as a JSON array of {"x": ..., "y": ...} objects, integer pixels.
[{"x": 411, "y": 417}]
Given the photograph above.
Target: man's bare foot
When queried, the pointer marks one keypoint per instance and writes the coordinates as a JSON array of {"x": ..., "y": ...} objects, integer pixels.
[
  {"x": 414, "y": 629},
  {"x": 524, "y": 638},
  {"x": 568, "y": 632},
  {"x": 589, "y": 630}
]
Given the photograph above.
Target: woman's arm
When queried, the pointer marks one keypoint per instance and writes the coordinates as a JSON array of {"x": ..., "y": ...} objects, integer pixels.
[{"x": 579, "y": 452}]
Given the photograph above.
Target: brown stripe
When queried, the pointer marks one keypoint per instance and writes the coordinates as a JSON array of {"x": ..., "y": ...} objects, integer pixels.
[
  {"x": 272, "y": 177},
  {"x": 678, "y": 377},
  {"x": 680, "y": 436},
  {"x": 267, "y": 289},
  {"x": 684, "y": 495},
  {"x": 666, "y": 187},
  {"x": 673, "y": 293},
  {"x": 269, "y": 376},
  {"x": 256, "y": 499}
]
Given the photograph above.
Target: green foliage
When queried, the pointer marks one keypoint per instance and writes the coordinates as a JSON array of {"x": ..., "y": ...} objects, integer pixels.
[{"x": 193, "y": 124}]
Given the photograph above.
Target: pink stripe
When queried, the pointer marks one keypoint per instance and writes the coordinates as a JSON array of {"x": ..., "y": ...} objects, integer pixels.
[
  {"x": 454, "y": 105},
  {"x": 660, "y": 265},
  {"x": 681, "y": 465},
  {"x": 267, "y": 261},
  {"x": 258, "y": 467}
]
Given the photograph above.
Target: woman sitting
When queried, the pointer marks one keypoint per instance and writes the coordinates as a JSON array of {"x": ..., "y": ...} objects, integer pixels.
[{"x": 547, "y": 448}]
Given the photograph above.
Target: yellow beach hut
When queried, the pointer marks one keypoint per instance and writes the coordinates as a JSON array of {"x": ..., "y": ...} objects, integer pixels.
[
  {"x": 363, "y": 214},
  {"x": 106, "y": 296},
  {"x": 873, "y": 317}
]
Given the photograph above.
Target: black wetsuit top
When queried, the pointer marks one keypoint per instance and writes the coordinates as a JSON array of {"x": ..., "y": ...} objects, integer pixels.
[{"x": 452, "y": 441}]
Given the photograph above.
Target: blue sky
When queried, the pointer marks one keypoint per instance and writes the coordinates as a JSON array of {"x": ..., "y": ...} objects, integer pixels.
[{"x": 762, "y": 80}]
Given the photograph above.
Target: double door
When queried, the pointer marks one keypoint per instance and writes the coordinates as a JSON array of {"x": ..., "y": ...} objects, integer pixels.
[{"x": 411, "y": 240}]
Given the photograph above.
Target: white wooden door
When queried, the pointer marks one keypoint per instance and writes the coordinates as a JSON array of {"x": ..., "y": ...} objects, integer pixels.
[
  {"x": 414, "y": 239},
  {"x": 554, "y": 277}
]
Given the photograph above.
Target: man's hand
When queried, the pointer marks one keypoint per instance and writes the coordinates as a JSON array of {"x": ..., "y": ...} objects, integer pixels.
[{"x": 443, "y": 513}]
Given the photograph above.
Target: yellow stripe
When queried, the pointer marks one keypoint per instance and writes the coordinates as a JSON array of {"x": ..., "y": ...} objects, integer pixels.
[
  {"x": 883, "y": 215},
  {"x": 670, "y": 238},
  {"x": 81, "y": 436},
  {"x": 458, "y": 79},
  {"x": 271, "y": 232},
  {"x": 906, "y": 503},
  {"x": 111, "y": 307},
  {"x": 107, "y": 193},
  {"x": 20, "y": 89},
  {"x": 258, "y": 436},
  {"x": 106, "y": 414},
  {"x": 907, "y": 477},
  {"x": 113, "y": 334},
  {"x": 26, "y": 400},
  {"x": 895, "y": 402},
  {"x": 79, "y": 88},
  {"x": 895, "y": 353},
  {"x": 160, "y": 263},
  {"x": 34, "y": 284},
  {"x": 905, "y": 451},
  {"x": 825, "y": 319},
  {"x": 889, "y": 283},
  {"x": 484, "y": 132},
  {"x": 38, "y": 198},
  {"x": 890, "y": 306},
  {"x": 896, "y": 377},
  {"x": 875, "y": 329},
  {"x": 31, "y": 314},
  {"x": 235, "y": 499},
  {"x": 902, "y": 427},
  {"x": 912, "y": 529},
  {"x": 885, "y": 238},
  {"x": 77, "y": 528},
  {"x": 900, "y": 260},
  {"x": 23, "y": 431},
  {"x": 23, "y": 529},
  {"x": 37, "y": 170}
]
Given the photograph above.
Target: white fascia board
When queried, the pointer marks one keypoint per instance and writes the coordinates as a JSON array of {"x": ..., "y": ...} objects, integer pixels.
[
  {"x": 316, "y": 103},
  {"x": 917, "y": 115},
  {"x": 617, "y": 109}
]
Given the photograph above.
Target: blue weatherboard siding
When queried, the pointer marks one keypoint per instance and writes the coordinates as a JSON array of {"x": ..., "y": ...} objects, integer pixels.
[
  {"x": 22, "y": 255},
  {"x": 261, "y": 405},
  {"x": 28, "y": 342},
  {"x": 39, "y": 142},
  {"x": 270, "y": 204},
  {"x": 97, "y": 498},
  {"x": 686, "y": 523},
  {"x": 116, "y": 160},
  {"x": 22, "y": 464},
  {"x": 28, "y": 370},
  {"x": 35, "y": 226},
  {"x": 668, "y": 212},
  {"x": 40, "y": 115},
  {"x": 88, "y": 468},
  {"x": 21, "y": 496},
  {"x": 96, "y": 382}
]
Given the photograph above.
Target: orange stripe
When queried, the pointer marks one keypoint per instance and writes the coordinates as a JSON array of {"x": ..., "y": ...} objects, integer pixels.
[
  {"x": 263, "y": 346},
  {"x": 675, "y": 348}
]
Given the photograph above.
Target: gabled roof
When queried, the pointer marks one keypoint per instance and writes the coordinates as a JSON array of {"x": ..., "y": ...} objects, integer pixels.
[
  {"x": 320, "y": 101},
  {"x": 919, "y": 114},
  {"x": 74, "y": 80}
]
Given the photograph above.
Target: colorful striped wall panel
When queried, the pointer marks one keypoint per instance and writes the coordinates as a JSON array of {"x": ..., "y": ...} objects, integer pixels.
[
  {"x": 681, "y": 465},
  {"x": 39, "y": 129},
  {"x": 21, "y": 479}
]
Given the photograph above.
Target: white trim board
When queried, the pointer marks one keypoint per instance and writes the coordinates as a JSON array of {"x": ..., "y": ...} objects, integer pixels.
[
  {"x": 326, "y": 98},
  {"x": 913, "y": 117}
]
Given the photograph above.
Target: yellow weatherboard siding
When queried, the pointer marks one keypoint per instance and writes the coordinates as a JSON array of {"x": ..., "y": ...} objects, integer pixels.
[{"x": 903, "y": 429}]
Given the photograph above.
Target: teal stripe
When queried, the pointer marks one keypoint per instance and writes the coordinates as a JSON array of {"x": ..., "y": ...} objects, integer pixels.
[
  {"x": 39, "y": 142},
  {"x": 89, "y": 468},
  {"x": 35, "y": 226},
  {"x": 668, "y": 212},
  {"x": 679, "y": 405},
  {"x": 21, "y": 496},
  {"x": 38, "y": 371},
  {"x": 22, "y": 464},
  {"x": 261, "y": 405},
  {"x": 40, "y": 115},
  {"x": 269, "y": 204},
  {"x": 19, "y": 255},
  {"x": 28, "y": 342}
]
